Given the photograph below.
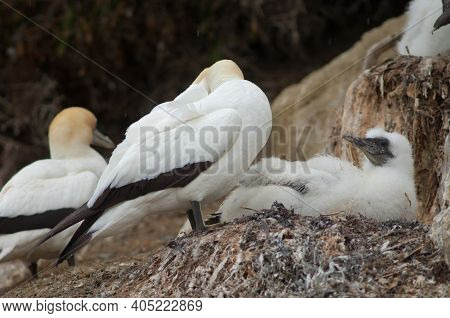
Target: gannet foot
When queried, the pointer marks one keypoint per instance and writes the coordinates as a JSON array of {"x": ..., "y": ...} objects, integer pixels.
[
  {"x": 195, "y": 217},
  {"x": 33, "y": 269},
  {"x": 71, "y": 261},
  {"x": 190, "y": 215}
]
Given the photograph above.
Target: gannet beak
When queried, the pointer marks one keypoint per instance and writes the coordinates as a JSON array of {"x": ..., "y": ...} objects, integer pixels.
[
  {"x": 101, "y": 140},
  {"x": 358, "y": 142},
  {"x": 375, "y": 149},
  {"x": 444, "y": 19}
]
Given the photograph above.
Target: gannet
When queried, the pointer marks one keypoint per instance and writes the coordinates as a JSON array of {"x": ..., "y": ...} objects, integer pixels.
[
  {"x": 426, "y": 33},
  {"x": 444, "y": 18},
  {"x": 40, "y": 195},
  {"x": 200, "y": 144},
  {"x": 424, "y": 17},
  {"x": 382, "y": 189}
]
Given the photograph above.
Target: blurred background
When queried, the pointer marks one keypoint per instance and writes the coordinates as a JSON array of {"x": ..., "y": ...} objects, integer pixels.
[{"x": 157, "y": 47}]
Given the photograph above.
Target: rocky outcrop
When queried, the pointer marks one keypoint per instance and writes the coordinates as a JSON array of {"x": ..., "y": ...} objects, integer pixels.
[
  {"x": 305, "y": 113},
  {"x": 440, "y": 230}
]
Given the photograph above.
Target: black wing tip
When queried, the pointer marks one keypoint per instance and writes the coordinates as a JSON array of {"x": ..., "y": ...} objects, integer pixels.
[
  {"x": 35, "y": 246},
  {"x": 72, "y": 219},
  {"x": 73, "y": 247}
]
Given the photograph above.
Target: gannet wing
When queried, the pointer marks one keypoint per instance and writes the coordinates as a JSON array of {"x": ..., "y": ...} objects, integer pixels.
[
  {"x": 172, "y": 156},
  {"x": 42, "y": 194},
  {"x": 192, "y": 94},
  {"x": 162, "y": 118}
]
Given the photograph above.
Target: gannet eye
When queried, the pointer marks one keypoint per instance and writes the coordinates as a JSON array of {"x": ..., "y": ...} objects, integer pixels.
[{"x": 384, "y": 142}]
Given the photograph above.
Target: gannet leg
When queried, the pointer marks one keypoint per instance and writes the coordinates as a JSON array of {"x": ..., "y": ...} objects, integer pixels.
[
  {"x": 71, "y": 260},
  {"x": 190, "y": 215},
  {"x": 198, "y": 219},
  {"x": 33, "y": 269}
]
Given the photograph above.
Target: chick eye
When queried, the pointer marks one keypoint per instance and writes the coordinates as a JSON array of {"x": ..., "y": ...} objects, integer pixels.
[{"x": 383, "y": 142}]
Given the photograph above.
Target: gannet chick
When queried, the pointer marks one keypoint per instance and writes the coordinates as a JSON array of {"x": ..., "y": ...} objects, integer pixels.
[
  {"x": 46, "y": 191},
  {"x": 200, "y": 144},
  {"x": 423, "y": 17},
  {"x": 383, "y": 189}
]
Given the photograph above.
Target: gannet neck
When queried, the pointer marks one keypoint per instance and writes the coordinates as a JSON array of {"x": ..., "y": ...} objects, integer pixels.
[
  {"x": 201, "y": 76},
  {"x": 71, "y": 133},
  {"x": 402, "y": 164},
  {"x": 201, "y": 80},
  {"x": 221, "y": 72}
]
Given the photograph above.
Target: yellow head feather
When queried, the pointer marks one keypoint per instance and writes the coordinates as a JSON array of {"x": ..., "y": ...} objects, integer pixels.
[{"x": 71, "y": 131}]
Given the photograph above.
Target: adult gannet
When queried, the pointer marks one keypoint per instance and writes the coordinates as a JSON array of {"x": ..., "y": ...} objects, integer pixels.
[
  {"x": 44, "y": 192},
  {"x": 184, "y": 153},
  {"x": 444, "y": 18},
  {"x": 426, "y": 32},
  {"x": 424, "y": 17},
  {"x": 383, "y": 189}
]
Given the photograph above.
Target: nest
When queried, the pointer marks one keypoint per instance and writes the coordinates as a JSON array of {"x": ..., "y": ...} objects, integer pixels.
[{"x": 275, "y": 253}]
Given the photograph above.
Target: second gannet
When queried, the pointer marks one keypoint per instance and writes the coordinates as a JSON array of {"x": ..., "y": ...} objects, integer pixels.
[
  {"x": 193, "y": 151},
  {"x": 383, "y": 189},
  {"x": 44, "y": 192},
  {"x": 424, "y": 17}
]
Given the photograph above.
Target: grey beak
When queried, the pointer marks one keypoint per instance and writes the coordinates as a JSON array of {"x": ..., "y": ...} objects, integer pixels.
[
  {"x": 358, "y": 142},
  {"x": 350, "y": 138},
  {"x": 375, "y": 149},
  {"x": 101, "y": 140}
]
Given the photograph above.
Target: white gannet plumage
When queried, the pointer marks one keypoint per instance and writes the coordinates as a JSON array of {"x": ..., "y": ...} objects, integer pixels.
[
  {"x": 41, "y": 194},
  {"x": 419, "y": 37},
  {"x": 382, "y": 189},
  {"x": 185, "y": 166}
]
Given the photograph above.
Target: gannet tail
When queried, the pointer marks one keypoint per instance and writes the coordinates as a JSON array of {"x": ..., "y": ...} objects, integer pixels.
[{"x": 80, "y": 238}]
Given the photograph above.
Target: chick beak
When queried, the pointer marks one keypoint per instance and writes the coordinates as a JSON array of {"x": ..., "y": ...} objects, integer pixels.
[
  {"x": 101, "y": 140},
  {"x": 354, "y": 140},
  {"x": 361, "y": 143},
  {"x": 373, "y": 149}
]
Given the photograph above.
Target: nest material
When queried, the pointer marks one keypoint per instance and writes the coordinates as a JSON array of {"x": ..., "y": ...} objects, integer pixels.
[{"x": 271, "y": 254}]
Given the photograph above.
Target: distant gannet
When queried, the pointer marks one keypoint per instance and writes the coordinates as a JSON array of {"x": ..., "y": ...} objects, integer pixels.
[
  {"x": 200, "y": 144},
  {"x": 426, "y": 33},
  {"x": 424, "y": 17},
  {"x": 383, "y": 189},
  {"x": 444, "y": 18},
  {"x": 46, "y": 191}
]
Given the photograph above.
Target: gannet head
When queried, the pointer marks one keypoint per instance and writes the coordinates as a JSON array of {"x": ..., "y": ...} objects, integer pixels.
[
  {"x": 384, "y": 149},
  {"x": 219, "y": 73},
  {"x": 201, "y": 77},
  {"x": 72, "y": 131}
]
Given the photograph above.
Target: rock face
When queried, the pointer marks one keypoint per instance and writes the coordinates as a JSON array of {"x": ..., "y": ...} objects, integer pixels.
[
  {"x": 440, "y": 230},
  {"x": 275, "y": 253},
  {"x": 440, "y": 233},
  {"x": 305, "y": 113},
  {"x": 409, "y": 95}
]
